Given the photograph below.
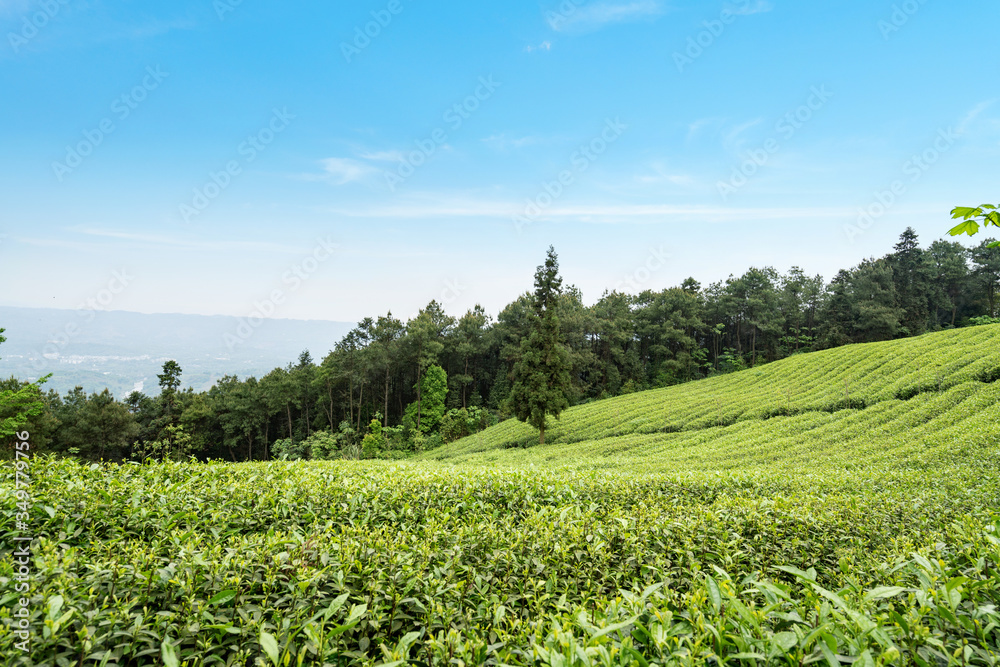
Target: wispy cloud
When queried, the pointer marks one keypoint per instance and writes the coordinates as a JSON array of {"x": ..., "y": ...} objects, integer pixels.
[
  {"x": 732, "y": 141},
  {"x": 450, "y": 206},
  {"x": 747, "y": 7},
  {"x": 14, "y": 7},
  {"x": 596, "y": 15},
  {"x": 695, "y": 128},
  {"x": 504, "y": 143},
  {"x": 972, "y": 115},
  {"x": 341, "y": 171},
  {"x": 544, "y": 46},
  {"x": 161, "y": 240},
  {"x": 662, "y": 175},
  {"x": 151, "y": 29},
  {"x": 382, "y": 156}
]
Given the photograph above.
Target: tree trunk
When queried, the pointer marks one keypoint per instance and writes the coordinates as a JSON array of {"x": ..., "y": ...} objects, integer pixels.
[
  {"x": 350, "y": 400},
  {"x": 361, "y": 398},
  {"x": 541, "y": 435},
  {"x": 385, "y": 415},
  {"x": 418, "y": 398}
]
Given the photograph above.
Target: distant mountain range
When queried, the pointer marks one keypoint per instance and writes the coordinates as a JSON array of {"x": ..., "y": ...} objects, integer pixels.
[{"x": 124, "y": 351}]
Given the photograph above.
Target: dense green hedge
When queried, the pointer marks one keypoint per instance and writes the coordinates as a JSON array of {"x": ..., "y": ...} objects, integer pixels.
[{"x": 862, "y": 535}]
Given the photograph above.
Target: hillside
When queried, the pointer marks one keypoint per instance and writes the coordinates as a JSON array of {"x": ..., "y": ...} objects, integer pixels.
[
  {"x": 918, "y": 399},
  {"x": 835, "y": 508}
]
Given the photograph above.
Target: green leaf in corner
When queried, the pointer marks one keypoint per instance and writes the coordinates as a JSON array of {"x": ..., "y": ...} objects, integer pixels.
[{"x": 969, "y": 227}]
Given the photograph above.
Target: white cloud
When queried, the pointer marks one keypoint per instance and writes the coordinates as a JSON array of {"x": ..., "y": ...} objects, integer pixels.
[
  {"x": 159, "y": 240},
  {"x": 504, "y": 143},
  {"x": 596, "y": 15},
  {"x": 342, "y": 170},
  {"x": 747, "y": 7},
  {"x": 662, "y": 175},
  {"x": 383, "y": 156},
  {"x": 450, "y": 206},
  {"x": 544, "y": 46}
]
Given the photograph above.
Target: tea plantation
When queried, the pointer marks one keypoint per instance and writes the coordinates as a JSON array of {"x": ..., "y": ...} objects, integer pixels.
[{"x": 840, "y": 507}]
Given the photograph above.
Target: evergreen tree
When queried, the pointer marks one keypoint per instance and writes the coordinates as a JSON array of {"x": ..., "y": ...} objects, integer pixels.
[
  {"x": 541, "y": 372},
  {"x": 986, "y": 269},
  {"x": 103, "y": 427},
  {"x": 913, "y": 280}
]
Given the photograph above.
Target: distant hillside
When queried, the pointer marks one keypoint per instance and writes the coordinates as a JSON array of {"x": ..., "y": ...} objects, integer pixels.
[
  {"x": 917, "y": 401},
  {"x": 122, "y": 350}
]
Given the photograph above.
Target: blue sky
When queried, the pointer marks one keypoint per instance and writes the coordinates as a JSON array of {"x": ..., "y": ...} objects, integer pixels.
[{"x": 342, "y": 159}]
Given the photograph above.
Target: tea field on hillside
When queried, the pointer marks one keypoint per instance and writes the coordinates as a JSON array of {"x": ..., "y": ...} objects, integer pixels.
[{"x": 835, "y": 508}]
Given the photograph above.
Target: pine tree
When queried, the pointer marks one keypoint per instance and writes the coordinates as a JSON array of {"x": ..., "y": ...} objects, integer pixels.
[{"x": 541, "y": 378}]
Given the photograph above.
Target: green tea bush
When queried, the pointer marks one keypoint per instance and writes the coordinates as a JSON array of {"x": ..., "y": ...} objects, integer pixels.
[{"x": 726, "y": 522}]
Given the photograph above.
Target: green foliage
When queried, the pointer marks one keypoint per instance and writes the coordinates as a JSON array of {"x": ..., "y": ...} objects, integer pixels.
[
  {"x": 466, "y": 421},
  {"x": 974, "y": 218},
  {"x": 876, "y": 388},
  {"x": 286, "y": 449},
  {"x": 837, "y": 507},
  {"x": 425, "y": 414},
  {"x": 20, "y": 403},
  {"x": 374, "y": 442},
  {"x": 893, "y": 559},
  {"x": 170, "y": 381},
  {"x": 174, "y": 446},
  {"x": 327, "y": 446},
  {"x": 541, "y": 379}
]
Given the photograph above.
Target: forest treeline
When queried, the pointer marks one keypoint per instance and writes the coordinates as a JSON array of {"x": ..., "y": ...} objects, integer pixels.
[{"x": 391, "y": 387}]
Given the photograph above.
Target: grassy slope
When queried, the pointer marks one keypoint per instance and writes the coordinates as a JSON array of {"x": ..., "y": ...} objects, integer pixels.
[
  {"x": 915, "y": 401},
  {"x": 885, "y": 499}
]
